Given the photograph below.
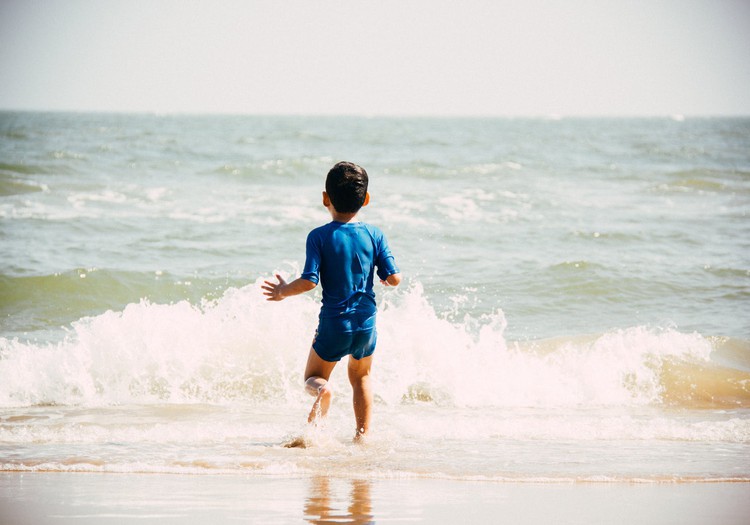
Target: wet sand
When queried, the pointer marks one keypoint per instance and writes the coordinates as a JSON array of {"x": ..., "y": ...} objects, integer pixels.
[{"x": 60, "y": 498}]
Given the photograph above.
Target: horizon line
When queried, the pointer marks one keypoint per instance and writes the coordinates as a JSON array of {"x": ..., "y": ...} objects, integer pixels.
[{"x": 364, "y": 115}]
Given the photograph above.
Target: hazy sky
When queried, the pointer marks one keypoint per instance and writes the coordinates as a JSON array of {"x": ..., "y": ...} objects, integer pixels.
[{"x": 528, "y": 57}]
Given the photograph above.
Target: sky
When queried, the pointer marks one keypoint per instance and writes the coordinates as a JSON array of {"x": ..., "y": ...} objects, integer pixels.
[{"x": 420, "y": 57}]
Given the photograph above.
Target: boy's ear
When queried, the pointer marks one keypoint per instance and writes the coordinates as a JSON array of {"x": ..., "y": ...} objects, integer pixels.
[
  {"x": 326, "y": 200},
  {"x": 367, "y": 199}
]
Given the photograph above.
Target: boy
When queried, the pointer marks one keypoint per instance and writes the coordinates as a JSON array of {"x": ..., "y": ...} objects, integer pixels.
[{"x": 342, "y": 256}]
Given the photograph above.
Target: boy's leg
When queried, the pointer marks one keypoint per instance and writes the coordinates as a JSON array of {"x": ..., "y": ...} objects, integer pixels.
[
  {"x": 359, "y": 377},
  {"x": 317, "y": 373}
]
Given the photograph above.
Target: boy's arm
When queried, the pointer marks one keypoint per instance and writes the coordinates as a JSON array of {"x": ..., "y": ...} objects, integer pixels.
[{"x": 282, "y": 289}]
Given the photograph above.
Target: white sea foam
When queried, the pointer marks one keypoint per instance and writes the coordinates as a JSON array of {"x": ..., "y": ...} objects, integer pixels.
[
  {"x": 216, "y": 388},
  {"x": 471, "y": 364},
  {"x": 459, "y": 208},
  {"x": 240, "y": 347}
]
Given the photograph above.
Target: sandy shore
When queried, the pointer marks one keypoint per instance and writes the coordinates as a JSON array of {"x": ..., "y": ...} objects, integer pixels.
[{"x": 41, "y": 498}]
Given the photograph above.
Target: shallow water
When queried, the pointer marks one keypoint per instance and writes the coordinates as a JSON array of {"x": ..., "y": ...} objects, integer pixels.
[
  {"x": 61, "y": 498},
  {"x": 573, "y": 309}
]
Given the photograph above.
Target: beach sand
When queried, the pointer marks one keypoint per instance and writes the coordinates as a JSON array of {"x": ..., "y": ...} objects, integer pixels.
[{"x": 41, "y": 498}]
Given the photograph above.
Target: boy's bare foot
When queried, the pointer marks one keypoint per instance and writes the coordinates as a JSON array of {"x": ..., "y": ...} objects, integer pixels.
[
  {"x": 298, "y": 442},
  {"x": 360, "y": 437}
]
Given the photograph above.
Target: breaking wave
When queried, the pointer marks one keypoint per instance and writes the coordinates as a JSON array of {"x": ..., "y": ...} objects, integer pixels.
[{"x": 240, "y": 348}]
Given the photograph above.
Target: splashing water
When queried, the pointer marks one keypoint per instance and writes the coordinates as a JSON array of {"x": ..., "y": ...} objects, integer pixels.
[{"x": 239, "y": 348}]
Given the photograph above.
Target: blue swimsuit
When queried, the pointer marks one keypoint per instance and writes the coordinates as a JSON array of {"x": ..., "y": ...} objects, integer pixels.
[{"x": 342, "y": 257}]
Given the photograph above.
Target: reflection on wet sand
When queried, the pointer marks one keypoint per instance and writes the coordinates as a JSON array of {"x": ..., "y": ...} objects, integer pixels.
[{"x": 322, "y": 507}]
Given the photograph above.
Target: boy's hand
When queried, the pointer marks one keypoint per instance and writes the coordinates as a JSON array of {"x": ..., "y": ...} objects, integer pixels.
[
  {"x": 273, "y": 291},
  {"x": 392, "y": 280}
]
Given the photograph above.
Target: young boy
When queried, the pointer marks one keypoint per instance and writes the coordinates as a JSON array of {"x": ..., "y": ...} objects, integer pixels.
[{"x": 342, "y": 256}]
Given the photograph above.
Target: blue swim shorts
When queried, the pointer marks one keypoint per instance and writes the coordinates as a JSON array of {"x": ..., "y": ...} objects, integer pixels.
[{"x": 331, "y": 344}]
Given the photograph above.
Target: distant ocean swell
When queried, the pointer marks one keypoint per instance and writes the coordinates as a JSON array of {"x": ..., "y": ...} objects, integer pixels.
[{"x": 238, "y": 348}]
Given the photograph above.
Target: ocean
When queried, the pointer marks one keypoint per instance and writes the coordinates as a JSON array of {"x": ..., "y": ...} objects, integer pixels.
[{"x": 575, "y": 305}]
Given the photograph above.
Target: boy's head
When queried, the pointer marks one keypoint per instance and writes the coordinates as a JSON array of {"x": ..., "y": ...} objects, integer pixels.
[{"x": 346, "y": 186}]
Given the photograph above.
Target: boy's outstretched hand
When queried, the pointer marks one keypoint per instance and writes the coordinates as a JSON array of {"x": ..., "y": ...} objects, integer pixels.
[
  {"x": 273, "y": 290},
  {"x": 282, "y": 289}
]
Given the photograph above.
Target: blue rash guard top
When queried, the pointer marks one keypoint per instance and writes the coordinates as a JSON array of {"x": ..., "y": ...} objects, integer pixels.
[{"x": 343, "y": 257}]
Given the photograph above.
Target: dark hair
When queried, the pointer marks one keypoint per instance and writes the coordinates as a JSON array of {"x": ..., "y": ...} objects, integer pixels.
[{"x": 346, "y": 186}]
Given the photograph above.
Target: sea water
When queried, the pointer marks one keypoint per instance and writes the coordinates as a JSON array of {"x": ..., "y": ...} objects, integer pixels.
[{"x": 575, "y": 304}]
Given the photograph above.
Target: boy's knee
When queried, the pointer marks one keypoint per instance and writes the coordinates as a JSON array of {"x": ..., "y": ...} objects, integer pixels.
[
  {"x": 317, "y": 385},
  {"x": 359, "y": 381}
]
